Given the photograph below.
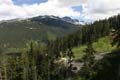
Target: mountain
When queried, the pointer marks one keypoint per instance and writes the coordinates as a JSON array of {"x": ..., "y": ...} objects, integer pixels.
[
  {"x": 17, "y": 32},
  {"x": 57, "y": 21},
  {"x": 68, "y": 19},
  {"x": 73, "y": 21}
]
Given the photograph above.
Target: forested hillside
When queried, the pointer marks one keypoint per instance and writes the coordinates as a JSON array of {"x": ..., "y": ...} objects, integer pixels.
[
  {"x": 56, "y": 59},
  {"x": 16, "y": 33}
]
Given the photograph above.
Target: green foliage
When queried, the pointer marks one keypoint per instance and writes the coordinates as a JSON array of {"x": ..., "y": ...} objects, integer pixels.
[
  {"x": 108, "y": 66},
  {"x": 37, "y": 60},
  {"x": 89, "y": 61},
  {"x": 101, "y": 45},
  {"x": 114, "y": 24},
  {"x": 79, "y": 51}
]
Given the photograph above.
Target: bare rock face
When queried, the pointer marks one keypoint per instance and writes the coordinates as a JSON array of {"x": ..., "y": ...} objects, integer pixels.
[{"x": 76, "y": 66}]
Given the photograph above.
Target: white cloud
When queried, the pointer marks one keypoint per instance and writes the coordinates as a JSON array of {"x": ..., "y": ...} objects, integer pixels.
[
  {"x": 92, "y": 9},
  {"x": 101, "y": 9},
  {"x": 68, "y": 3},
  {"x": 8, "y": 2},
  {"x": 103, "y": 6},
  {"x": 53, "y": 7}
]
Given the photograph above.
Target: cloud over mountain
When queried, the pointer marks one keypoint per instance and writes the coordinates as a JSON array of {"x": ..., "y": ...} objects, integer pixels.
[
  {"x": 9, "y": 10},
  {"x": 92, "y": 9}
]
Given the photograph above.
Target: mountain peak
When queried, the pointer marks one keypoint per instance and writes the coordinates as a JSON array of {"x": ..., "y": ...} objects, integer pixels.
[{"x": 65, "y": 19}]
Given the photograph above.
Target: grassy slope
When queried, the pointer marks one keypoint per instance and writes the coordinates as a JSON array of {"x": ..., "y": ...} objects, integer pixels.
[
  {"x": 17, "y": 33},
  {"x": 102, "y": 45}
]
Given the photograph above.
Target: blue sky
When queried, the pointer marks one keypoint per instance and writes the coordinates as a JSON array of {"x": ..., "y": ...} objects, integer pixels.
[
  {"x": 78, "y": 8},
  {"x": 29, "y": 2}
]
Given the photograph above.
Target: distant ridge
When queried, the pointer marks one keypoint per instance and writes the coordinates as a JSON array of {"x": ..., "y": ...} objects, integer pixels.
[{"x": 17, "y": 32}]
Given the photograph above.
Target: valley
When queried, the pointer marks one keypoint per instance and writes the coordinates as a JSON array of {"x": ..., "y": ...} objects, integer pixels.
[{"x": 36, "y": 49}]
